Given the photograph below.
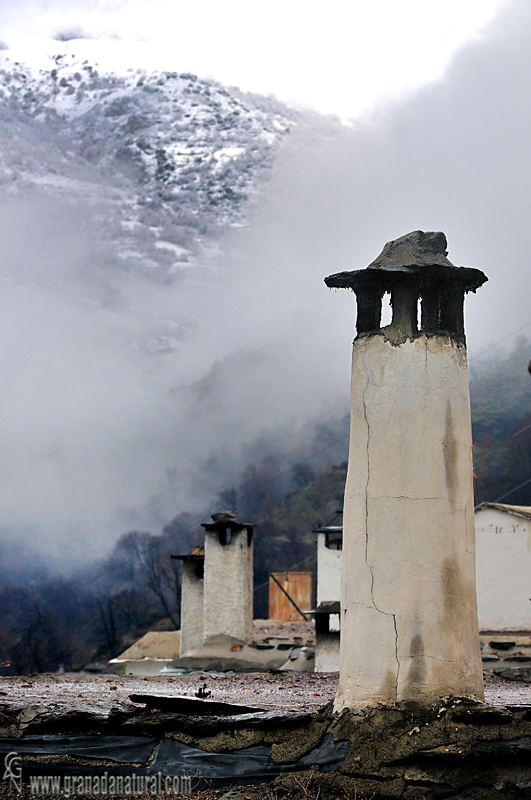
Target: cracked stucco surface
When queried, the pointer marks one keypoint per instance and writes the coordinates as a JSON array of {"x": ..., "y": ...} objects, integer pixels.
[
  {"x": 191, "y": 609},
  {"x": 409, "y": 618},
  {"x": 228, "y": 587}
]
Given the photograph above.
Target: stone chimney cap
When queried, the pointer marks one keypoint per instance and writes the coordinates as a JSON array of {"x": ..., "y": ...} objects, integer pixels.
[
  {"x": 225, "y": 516},
  {"x": 417, "y": 252},
  {"x": 415, "y": 249},
  {"x": 226, "y": 519}
]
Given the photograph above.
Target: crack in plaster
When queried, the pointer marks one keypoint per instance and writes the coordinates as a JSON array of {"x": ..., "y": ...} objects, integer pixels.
[
  {"x": 385, "y": 613},
  {"x": 470, "y": 552},
  {"x": 448, "y": 660},
  {"x": 404, "y": 497},
  {"x": 396, "y": 656}
]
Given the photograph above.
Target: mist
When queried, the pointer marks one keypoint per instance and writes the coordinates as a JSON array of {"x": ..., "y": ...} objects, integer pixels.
[{"x": 109, "y": 423}]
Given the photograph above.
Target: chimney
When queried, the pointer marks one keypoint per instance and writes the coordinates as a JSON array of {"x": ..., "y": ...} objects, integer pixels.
[
  {"x": 228, "y": 581},
  {"x": 409, "y": 629},
  {"x": 192, "y": 600}
]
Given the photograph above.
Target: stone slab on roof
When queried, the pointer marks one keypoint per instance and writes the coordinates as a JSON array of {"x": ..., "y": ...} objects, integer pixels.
[
  {"x": 517, "y": 511},
  {"x": 163, "y": 645},
  {"x": 416, "y": 252}
]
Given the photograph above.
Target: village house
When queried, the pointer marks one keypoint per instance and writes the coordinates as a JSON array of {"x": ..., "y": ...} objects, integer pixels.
[
  {"x": 503, "y": 567},
  {"x": 327, "y": 610}
]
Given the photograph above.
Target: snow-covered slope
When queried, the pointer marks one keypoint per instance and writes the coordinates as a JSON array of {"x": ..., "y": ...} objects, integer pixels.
[
  {"x": 142, "y": 350},
  {"x": 166, "y": 160}
]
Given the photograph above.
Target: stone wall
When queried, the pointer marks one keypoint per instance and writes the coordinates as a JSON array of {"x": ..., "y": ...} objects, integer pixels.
[{"x": 455, "y": 749}]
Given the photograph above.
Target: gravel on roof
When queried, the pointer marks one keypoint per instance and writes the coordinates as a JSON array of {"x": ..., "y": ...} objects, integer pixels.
[{"x": 289, "y": 691}]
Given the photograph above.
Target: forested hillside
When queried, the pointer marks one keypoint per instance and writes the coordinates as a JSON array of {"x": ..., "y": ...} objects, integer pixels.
[
  {"x": 500, "y": 391},
  {"x": 49, "y": 622}
]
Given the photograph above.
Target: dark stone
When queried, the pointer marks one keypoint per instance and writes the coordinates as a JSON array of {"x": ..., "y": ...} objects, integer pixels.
[
  {"x": 482, "y": 715},
  {"x": 180, "y": 704},
  {"x": 451, "y": 308},
  {"x": 404, "y": 297},
  {"x": 508, "y": 748},
  {"x": 501, "y": 645},
  {"x": 520, "y": 674},
  {"x": 457, "y": 748},
  {"x": 429, "y": 309},
  {"x": 369, "y": 310},
  {"x": 490, "y": 657},
  {"x": 413, "y": 266},
  {"x": 518, "y": 657},
  {"x": 295, "y": 654},
  {"x": 211, "y": 726},
  {"x": 285, "y": 646},
  {"x": 225, "y": 516},
  {"x": 262, "y": 646}
]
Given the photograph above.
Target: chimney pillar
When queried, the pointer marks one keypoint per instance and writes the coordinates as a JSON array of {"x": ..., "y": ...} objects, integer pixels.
[
  {"x": 409, "y": 629},
  {"x": 228, "y": 582}
]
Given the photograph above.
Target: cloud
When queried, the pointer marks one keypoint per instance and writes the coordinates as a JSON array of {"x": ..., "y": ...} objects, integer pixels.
[
  {"x": 99, "y": 436},
  {"x": 455, "y": 157},
  {"x": 341, "y": 59},
  {"x": 68, "y": 34}
]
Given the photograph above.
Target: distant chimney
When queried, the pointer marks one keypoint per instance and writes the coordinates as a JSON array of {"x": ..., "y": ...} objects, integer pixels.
[
  {"x": 228, "y": 582},
  {"x": 192, "y": 602},
  {"x": 217, "y": 584},
  {"x": 409, "y": 629}
]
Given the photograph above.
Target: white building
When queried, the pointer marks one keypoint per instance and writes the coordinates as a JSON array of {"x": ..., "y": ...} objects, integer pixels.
[
  {"x": 503, "y": 568},
  {"x": 327, "y": 612},
  {"x": 329, "y": 552}
]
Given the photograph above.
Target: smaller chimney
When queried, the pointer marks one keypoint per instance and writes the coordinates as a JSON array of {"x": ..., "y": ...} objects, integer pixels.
[
  {"x": 217, "y": 584},
  {"x": 192, "y": 602},
  {"x": 228, "y": 581}
]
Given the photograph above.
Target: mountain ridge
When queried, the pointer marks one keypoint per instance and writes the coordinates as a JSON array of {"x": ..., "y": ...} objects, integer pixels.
[{"x": 171, "y": 159}]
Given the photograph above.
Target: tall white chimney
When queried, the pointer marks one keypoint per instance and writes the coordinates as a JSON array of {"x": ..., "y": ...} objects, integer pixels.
[{"x": 409, "y": 629}]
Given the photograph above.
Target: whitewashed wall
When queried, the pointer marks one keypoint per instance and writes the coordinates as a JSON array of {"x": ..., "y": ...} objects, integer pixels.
[
  {"x": 503, "y": 570},
  {"x": 328, "y": 571},
  {"x": 228, "y": 586},
  {"x": 192, "y": 635}
]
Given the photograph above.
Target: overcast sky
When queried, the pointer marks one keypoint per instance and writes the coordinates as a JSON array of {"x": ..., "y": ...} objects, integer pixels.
[
  {"x": 340, "y": 56},
  {"x": 451, "y": 154}
]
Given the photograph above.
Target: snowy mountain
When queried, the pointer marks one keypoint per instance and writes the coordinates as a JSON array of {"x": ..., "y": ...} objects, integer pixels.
[
  {"x": 165, "y": 160},
  {"x": 144, "y": 352}
]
